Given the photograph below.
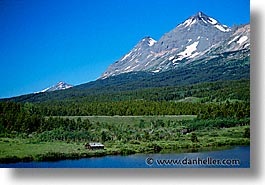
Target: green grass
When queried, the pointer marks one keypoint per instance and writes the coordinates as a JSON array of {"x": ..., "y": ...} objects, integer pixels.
[
  {"x": 24, "y": 147},
  {"x": 15, "y": 149},
  {"x": 134, "y": 137}
]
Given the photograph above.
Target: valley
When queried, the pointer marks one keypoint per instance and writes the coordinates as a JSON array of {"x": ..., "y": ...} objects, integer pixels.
[
  {"x": 187, "y": 91},
  {"x": 185, "y": 118}
]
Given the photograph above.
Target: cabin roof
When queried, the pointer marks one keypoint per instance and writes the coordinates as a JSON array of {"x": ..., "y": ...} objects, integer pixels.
[{"x": 96, "y": 144}]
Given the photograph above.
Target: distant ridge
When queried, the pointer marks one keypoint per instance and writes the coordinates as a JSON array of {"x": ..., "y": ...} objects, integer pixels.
[{"x": 59, "y": 86}]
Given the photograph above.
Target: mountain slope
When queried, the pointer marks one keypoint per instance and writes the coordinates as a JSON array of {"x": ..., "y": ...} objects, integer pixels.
[
  {"x": 130, "y": 61},
  {"x": 198, "y": 37}
]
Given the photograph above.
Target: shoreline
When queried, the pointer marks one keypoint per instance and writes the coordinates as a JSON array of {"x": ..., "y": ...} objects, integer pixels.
[{"x": 60, "y": 156}]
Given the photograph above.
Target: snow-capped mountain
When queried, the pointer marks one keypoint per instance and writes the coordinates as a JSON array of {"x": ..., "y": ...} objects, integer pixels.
[
  {"x": 132, "y": 60},
  {"x": 58, "y": 86},
  {"x": 199, "y": 37}
]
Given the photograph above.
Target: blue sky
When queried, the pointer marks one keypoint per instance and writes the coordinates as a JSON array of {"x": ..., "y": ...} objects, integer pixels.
[{"x": 44, "y": 42}]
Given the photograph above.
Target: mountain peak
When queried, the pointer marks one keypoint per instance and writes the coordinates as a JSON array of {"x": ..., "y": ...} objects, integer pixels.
[
  {"x": 125, "y": 62},
  {"x": 200, "y": 15},
  {"x": 59, "y": 86},
  {"x": 148, "y": 40},
  {"x": 205, "y": 20}
]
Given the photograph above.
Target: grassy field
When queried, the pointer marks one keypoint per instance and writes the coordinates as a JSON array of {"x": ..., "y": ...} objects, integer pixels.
[
  {"x": 24, "y": 147},
  {"x": 16, "y": 150},
  {"x": 151, "y": 138}
]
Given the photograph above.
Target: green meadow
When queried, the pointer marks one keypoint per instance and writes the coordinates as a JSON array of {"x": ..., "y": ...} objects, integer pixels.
[{"x": 123, "y": 135}]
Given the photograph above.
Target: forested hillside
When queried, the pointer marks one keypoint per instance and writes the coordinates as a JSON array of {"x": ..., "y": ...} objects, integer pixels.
[{"x": 225, "y": 99}]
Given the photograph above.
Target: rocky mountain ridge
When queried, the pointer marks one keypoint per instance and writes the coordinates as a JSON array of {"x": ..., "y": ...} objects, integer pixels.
[{"x": 200, "y": 37}]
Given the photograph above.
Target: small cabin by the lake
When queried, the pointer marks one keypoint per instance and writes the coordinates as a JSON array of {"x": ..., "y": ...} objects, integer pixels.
[{"x": 94, "y": 146}]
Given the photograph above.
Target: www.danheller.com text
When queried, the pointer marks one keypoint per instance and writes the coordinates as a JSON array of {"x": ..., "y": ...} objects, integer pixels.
[{"x": 193, "y": 161}]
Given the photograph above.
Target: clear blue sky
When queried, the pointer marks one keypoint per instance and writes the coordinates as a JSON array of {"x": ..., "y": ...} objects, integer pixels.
[{"x": 43, "y": 42}]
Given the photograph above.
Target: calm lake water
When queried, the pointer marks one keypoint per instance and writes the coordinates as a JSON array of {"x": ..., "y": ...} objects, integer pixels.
[{"x": 229, "y": 158}]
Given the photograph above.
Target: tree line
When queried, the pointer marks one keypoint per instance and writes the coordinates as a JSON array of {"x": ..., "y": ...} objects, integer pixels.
[{"x": 30, "y": 118}]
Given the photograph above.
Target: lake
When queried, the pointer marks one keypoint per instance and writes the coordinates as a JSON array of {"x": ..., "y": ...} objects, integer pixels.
[{"x": 237, "y": 157}]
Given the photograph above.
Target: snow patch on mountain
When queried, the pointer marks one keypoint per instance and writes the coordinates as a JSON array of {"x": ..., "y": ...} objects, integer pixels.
[
  {"x": 234, "y": 39},
  {"x": 194, "y": 55},
  {"x": 212, "y": 21},
  {"x": 126, "y": 56},
  {"x": 171, "y": 58},
  {"x": 242, "y": 39},
  {"x": 188, "y": 51},
  {"x": 152, "y": 42},
  {"x": 187, "y": 23},
  {"x": 127, "y": 68},
  {"x": 222, "y": 28},
  {"x": 156, "y": 71}
]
